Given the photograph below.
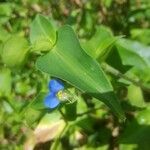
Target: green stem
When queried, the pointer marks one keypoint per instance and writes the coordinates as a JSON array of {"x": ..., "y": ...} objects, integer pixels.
[{"x": 117, "y": 73}]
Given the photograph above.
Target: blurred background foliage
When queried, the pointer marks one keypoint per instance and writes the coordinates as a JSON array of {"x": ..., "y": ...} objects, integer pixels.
[{"x": 100, "y": 26}]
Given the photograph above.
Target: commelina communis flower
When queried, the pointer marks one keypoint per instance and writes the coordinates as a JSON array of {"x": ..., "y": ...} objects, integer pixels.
[{"x": 52, "y": 100}]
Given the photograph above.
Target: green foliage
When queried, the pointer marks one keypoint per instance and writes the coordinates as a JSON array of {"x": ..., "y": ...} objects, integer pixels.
[{"x": 14, "y": 51}]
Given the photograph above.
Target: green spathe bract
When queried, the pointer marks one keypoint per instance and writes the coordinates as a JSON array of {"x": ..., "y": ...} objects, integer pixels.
[{"x": 69, "y": 62}]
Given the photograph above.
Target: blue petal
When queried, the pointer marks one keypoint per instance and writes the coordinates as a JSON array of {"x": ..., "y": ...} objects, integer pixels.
[
  {"x": 55, "y": 86},
  {"x": 51, "y": 101}
]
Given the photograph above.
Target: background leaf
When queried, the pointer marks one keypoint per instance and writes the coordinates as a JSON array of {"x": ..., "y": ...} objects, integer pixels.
[
  {"x": 100, "y": 43},
  {"x": 14, "y": 51},
  {"x": 133, "y": 53},
  {"x": 43, "y": 34}
]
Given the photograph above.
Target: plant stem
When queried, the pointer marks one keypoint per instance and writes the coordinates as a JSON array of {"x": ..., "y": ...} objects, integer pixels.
[{"x": 117, "y": 73}]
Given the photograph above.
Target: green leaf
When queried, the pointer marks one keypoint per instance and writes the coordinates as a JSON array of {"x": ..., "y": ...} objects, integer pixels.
[
  {"x": 43, "y": 34},
  {"x": 71, "y": 111},
  {"x": 135, "y": 96},
  {"x": 137, "y": 55},
  {"x": 5, "y": 82},
  {"x": 115, "y": 61},
  {"x": 69, "y": 62},
  {"x": 133, "y": 53},
  {"x": 99, "y": 45},
  {"x": 14, "y": 51}
]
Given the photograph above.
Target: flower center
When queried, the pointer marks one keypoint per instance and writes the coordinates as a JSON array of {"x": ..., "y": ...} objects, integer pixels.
[{"x": 62, "y": 96}]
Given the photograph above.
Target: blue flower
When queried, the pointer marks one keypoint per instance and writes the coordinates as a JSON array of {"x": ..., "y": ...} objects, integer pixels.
[{"x": 51, "y": 100}]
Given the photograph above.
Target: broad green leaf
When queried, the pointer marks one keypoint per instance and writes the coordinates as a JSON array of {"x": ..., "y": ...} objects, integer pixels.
[
  {"x": 99, "y": 45},
  {"x": 14, "y": 51},
  {"x": 135, "y": 96},
  {"x": 68, "y": 61},
  {"x": 5, "y": 82},
  {"x": 133, "y": 53},
  {"x": 137, "y": 55},
  {"x": 43, "y": 34}
]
